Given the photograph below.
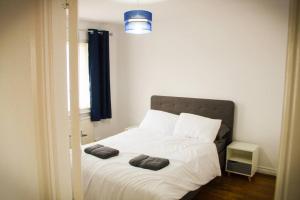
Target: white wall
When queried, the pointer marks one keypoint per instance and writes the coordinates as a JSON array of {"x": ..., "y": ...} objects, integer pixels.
[
  {"x": 218, "y": 49},
  {"x": 18, "y": 163}
]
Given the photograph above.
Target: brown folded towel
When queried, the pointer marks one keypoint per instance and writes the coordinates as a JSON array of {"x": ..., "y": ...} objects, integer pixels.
[
  {"x": 101, "y": 151},
  {"x": 105, "y": 152},
  {"x": 147, "y": 162},
  {"x": 91, "y": 148}
]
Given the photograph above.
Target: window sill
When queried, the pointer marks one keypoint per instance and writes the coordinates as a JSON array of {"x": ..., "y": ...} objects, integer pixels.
[
  {"x": 84, "y": 113},
  {"x": 85, "y": 110}
]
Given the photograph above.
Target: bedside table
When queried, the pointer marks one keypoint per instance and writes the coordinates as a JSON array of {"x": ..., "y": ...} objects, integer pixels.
[{"x": 242, "y": 158}]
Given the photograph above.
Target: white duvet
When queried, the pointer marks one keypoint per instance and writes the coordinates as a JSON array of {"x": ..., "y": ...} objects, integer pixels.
[{"x": 192, "y": 164}]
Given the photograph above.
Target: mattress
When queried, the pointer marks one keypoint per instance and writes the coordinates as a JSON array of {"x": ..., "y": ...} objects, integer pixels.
[{"x": 192, "y": 164}]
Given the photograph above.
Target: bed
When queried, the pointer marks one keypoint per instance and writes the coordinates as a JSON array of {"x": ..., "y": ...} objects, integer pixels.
[{"x": 192, "y": 163}]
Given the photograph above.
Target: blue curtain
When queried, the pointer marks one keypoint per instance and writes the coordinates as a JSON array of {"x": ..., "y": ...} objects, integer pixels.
[{"x": 99, "y": 74}]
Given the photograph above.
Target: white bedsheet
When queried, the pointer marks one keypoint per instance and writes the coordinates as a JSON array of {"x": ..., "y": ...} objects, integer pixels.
[{"x": 192, "y": 164}]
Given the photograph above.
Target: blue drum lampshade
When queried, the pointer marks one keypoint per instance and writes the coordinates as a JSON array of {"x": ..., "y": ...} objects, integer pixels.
[{"x": 138, "y": 21}]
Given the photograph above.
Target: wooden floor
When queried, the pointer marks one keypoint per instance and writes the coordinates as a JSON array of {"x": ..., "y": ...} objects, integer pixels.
[{"x": 236, "y": 187}]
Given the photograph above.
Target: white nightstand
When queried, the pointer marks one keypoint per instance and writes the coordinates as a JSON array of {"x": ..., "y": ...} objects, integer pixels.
[{"x": 242, "y": 159}]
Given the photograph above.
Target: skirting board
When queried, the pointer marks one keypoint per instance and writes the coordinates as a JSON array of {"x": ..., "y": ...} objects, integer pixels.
[{"x": 267, "y": 170}]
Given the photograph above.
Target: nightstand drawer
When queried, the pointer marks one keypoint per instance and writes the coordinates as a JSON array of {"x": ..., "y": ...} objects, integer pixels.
[{"x": 239, "y": 167}]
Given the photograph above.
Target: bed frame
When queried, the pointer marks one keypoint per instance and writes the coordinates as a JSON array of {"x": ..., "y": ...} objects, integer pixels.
[{"x": 215, "y": 109}]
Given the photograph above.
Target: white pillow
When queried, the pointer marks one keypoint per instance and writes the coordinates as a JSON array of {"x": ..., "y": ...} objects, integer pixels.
[
  {"x": 159, "y": 121},
  {"x": 195, "y": 126}
]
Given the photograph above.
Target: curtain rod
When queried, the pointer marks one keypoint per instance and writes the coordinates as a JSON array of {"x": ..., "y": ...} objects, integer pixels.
[{"x": 86, "y": 30}]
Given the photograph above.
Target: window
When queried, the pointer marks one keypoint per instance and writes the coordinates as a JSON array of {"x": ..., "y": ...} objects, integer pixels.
[
  {"x": 84, "y": 83},
  {"x": 83, "y": 77}
]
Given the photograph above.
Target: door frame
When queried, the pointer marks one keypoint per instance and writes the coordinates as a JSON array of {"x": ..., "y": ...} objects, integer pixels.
[
  {"x": 74, "y": 98},
  {"x": 49, "y": 81},
  {"x": 288, "y": 160}
]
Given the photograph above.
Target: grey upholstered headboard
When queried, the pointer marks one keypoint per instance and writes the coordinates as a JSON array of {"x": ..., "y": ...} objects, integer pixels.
[{"x": 216, "y": 109}]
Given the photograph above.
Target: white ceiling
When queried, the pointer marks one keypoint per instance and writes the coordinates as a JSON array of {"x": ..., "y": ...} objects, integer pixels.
[{"x": 112, "y": 10}]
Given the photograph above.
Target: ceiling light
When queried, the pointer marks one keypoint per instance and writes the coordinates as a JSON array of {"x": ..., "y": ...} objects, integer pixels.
[{"x": 138, "y": 21}]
